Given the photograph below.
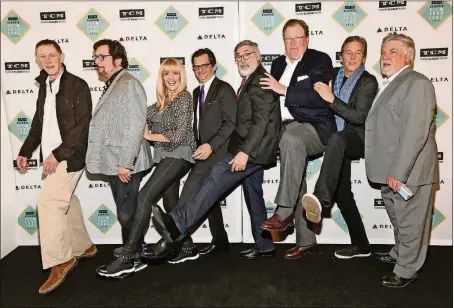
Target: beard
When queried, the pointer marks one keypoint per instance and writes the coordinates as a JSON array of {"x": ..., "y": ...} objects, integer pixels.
[{"x": 245, "y": 70}]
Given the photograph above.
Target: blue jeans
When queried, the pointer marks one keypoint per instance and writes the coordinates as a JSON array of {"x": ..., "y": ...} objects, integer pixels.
[{"x": 221, "y": 181}]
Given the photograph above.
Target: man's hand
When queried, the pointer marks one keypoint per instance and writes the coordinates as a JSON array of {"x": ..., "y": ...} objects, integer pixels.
[
  {"x": 203, "y": 152},
  {"x": 325, "y": 91},
  {"x": 124, "y": 174},
  {"x": 271, "y": 83},
  {"x": 50, "y": 164},
  {"x": 239, "y": 161},
  {"x": 22, "y": 164},
  {"x": 393, "y": 183}
]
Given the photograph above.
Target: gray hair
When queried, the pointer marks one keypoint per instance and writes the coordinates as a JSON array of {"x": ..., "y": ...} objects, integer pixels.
[
  {"x": 252, "y": 44},
  {"x": 408, "y": 42}
]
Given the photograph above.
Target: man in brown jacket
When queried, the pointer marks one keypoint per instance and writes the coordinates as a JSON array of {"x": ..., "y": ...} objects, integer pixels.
[{"x": 60, "y": 128}]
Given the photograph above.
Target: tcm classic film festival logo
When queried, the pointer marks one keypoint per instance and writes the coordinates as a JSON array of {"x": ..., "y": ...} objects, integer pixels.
[
  {"x": 28, "y": 220},
  {"x": 14, "y": 27},
  {"x": 436, "y": 12},
  {"x": 171, "y": 22},
  {"x": 20, "y": 126},
  {"x": 93, "y": 24},
  {"x": 349, "y": 15},
  {"x": 103, "y": 218},
  {"x": 267, "y": 19}
]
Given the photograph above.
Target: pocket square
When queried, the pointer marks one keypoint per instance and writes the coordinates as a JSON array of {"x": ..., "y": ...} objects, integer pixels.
[{"x": 301, "y": 78}]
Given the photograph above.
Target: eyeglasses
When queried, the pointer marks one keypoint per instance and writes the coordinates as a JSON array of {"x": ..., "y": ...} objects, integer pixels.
[
  {"x": 297, "y": 39},
  {"x": 100, "y": 57},
  {"x": 198, "y": 68},
  {"x": 245, "y": 56}
]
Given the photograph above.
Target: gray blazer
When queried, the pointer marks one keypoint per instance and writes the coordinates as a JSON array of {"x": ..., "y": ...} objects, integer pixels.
[
  {"x": 400, "y": 132},
  {"x": 115, "y": 137}
]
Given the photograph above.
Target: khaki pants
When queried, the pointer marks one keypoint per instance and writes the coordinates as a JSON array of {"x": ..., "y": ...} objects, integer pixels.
[{"x": 62, "y": 232}]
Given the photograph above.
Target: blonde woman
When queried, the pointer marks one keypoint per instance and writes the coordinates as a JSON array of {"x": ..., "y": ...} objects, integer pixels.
[{"x": 169, "y": 128}]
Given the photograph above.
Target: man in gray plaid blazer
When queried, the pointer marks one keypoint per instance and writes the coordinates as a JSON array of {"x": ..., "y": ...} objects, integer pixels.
[{"x": 116, "y": 145}]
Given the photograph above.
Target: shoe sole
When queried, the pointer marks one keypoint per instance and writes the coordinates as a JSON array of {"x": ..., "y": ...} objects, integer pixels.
[
  {"x": 279, "y": 230},
  {"x": 397, "y": 287},
  {"x": 313, "y": 208},
  {"x": 117, "y": 275},
  {"x": 142, "y": 266},
  {"x": 256, "y": 258},
  {"x": 61, "y": 280},
  {"x": 182, "y": 260},
  {"x": 91, "y": 255},
  {"x": 362, "y": 255}
]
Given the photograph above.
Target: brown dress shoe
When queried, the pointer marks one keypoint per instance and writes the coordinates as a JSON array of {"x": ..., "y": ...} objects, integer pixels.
[
  {"x": 297, "y": 252},
  {"x": 275, "y": 223},
  {"x": 90, "y": 252},
  {"x": 57, "y": 275}
]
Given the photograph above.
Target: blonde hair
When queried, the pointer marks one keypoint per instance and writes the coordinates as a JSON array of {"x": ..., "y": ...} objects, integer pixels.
[{"x": 162, "y": 94}]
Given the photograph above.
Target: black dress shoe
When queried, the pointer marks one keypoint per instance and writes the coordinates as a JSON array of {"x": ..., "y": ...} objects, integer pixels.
[
  {"x": 165, "y": 225},
  {"x": 257, "y": 254},
  {"x": 385, "y": 257},
  {"x": 157, "y": 250},
  {"x": 393, "y": 280},
  {"x": 214, "y": 248}
]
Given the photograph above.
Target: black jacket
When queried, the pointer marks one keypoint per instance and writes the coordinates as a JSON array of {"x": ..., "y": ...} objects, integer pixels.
[
  {"x": 258, "y": 122},
  {"x": 355, "y": 111},
  {"x": 73, "y": 108},
  {"x": 302, "y": 101},
  {"x": 217, "y": 121}
]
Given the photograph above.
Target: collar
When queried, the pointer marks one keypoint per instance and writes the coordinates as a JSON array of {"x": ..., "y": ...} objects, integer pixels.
[
  {"x": 385, "y": 81},
  {"x": 208, "y": 83},
  {"x": 112, "y": 78},
  {"x": 287, "y": 59},
  {"x": 57, "y": 80}
]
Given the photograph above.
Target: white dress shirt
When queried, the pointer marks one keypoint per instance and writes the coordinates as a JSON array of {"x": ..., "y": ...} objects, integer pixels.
[
  {"x": 385, "y": 82},
  {"x": 206, "y": 88},
  {"x": 285, "y": 81}
]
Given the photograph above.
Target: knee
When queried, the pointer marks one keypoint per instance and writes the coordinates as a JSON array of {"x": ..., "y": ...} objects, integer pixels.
[
  {"x": 289, "y": 141},
  {"x": 336, "y": 140}
]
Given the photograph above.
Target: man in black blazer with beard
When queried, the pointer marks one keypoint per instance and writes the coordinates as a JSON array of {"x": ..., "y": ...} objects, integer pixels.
[
  {"x": 252, "y": 148},
  {"x": 214, "y": 121},
  {"x": 312, "y": 123}
]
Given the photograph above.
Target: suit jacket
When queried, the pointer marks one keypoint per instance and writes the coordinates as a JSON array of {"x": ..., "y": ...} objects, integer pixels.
[
  {"x": 116, "y": 130},
  {"x": 302, "y": 101},
  {"x": 73, "y": 109},
  {"x": 258, "y": 122},
  {"x": 355, "y": 111},
  {"x": 400, "y": 132},
  {"x": 218, "y": 117}
]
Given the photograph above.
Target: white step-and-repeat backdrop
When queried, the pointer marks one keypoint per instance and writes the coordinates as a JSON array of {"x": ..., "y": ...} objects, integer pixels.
[{"x": 152, "y": 31}]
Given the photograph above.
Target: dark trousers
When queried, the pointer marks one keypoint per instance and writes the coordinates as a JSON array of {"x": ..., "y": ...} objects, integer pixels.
[
  {"x": 195, "y": 179},
  {"x": 125, "y": 196},
  {"x": 163, "y": 183},
  {"x": 220, "y": 181},
  {"x": 334, "y": 183}
]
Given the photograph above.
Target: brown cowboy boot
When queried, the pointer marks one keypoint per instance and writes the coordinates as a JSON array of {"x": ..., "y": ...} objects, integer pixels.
[
  {"x": 57, "y": 275},
  {"x": 90, "y": 252}
]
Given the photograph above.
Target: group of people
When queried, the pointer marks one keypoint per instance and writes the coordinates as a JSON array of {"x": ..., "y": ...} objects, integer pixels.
[{"x": 223, "y": 138}]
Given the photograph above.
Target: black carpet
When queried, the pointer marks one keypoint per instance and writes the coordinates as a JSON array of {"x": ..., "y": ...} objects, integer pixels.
[{"x": 227, "y": 281}]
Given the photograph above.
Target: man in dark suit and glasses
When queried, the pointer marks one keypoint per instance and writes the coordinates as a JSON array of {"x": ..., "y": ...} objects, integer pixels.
[
  {"x": 214, "y": 122},
  {"x": 311, "y": 124},
  {"x": 252, "y": 148}
]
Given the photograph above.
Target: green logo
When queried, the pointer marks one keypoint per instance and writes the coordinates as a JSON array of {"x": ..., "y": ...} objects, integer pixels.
[
  {"x": 103, "y": 219},
  {"x": 28, "y": 220},
  {"x": 93, "y": 24},
  {"x": 14, "y": 27},
  {"x": 20, "y": 126},
  {"x": 437, "y": 218},
  {"x": 312, "y": 168},
  {"x": 339, "y": 220},
  {"x": 267, "y": 19},
  {"x": 436, "y": 12},
  {"x": 270, "y": 208},
  {"x": 349, "y": 15},
  {"x": 138, "y": 70},
  {"x": 220, "y": 70},
  {"x": 171, "y": 22},
  {"x": 441, "y": 118}
]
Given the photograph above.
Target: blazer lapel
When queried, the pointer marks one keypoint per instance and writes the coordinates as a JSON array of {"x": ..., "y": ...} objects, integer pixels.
[
  {"x": 387, "y": 93},
  {"x": 210, "y": 94},
  {"x": 106, "y": 95},
  {"x": 258, "y": 70},
  {"x": 297, "y": 71}
]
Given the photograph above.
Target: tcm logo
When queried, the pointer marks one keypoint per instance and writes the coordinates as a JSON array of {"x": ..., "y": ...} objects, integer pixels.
[
  {"x": 181, "y": 59},
  {"x": 267, "y": 59},
  {"x": 440, "y": 157},
  {"x": 32, "y": 164},
  {"x": 137, "y": 14},
  {"x": 211, "y": 36},
  {"x": 211, "y": 12},
  {"x": 433, "y": 53},
  {"x": 338, "y": 56},
  {"x": 391, "y": 29},
  {"x": 379, "y": 204},
  {"x": 53, "y": 17},
  {"x": 308, "y": 8},
  {"x": 17, "y": 67},
  {"x": 88, "y": 65},
  {"x": 19, "y": 91},
  {"x": 392, "y": 5}
]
